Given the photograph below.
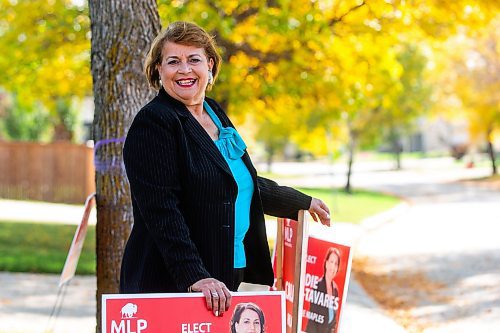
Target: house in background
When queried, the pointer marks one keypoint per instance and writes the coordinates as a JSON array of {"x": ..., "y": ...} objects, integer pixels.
[{"x": 439, "y": 136}]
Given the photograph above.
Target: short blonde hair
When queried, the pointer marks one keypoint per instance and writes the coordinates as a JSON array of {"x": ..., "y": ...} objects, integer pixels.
[{"x": 184, "y": 33}]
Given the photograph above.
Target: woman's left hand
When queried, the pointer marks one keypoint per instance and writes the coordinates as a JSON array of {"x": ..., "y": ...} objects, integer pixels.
[
  {"x": 319, "y": 211},
  {"x": 217, "y": 295}
]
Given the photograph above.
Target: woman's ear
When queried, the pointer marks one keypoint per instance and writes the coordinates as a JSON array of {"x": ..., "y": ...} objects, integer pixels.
[{"x": 210, "y": 63}]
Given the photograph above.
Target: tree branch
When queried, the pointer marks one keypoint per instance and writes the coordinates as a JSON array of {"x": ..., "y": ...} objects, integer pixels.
[
  {"x": 245, "y": 14},
  {"x": 231, "y": 49},
  {"x": 338, "y": 19}
]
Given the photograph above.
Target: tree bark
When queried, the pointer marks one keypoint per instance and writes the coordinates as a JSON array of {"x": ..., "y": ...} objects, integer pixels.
[{"x": 122, "y": 32}]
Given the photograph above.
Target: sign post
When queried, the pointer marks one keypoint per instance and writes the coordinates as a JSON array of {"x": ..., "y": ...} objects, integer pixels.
[
  {"x": 289, "y": 265},
  {"x": 69, "y": 268},
  {"x": 75, "y": 250},
  {"x": 300, "y": 255},
  {"x": 278, "y": 248}
]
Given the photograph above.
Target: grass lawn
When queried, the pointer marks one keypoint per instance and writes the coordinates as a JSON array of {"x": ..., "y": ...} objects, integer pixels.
[
  {"x": 42, "y": 248},
  {"x": 353, "y": 207}
]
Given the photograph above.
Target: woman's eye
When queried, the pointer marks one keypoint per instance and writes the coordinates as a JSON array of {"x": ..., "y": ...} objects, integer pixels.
[
  {"x": 172, "y": 62},
  {"x": 195, "y": 60}
]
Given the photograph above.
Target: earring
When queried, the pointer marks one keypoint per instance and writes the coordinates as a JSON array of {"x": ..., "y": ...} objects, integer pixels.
[{"x": 210, "y": 77}]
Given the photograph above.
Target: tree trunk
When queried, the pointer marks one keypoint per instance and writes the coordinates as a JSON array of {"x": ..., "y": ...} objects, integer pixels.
[
  {"x": 491, "y": 153},
  {"x": 396, "y": 149},
  {"x": 352, "y": 148},
  {"x": 122, "y": 32},
  {"x": 64, "y": 130},
  {"x": 61, "y": 133},
  {"x": 270, "y": 155},
  {"x": 396, "y": 146}
]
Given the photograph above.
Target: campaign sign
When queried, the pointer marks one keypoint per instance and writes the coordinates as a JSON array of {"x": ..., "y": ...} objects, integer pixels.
[
  {"x": 325, "y": 285},
  {"x": 187, "y": 313}
]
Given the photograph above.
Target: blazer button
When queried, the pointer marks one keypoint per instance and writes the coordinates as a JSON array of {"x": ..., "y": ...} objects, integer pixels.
[{"x": 227, "y": 203}]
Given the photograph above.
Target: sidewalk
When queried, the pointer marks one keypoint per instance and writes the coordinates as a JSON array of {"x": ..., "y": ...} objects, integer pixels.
[
  {"x": 26, "y": 300},
  {"x": 43, "y": 212}
]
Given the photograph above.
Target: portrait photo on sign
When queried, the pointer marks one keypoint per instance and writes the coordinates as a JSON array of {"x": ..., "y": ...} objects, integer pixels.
[{"x": 248, "y": 317}]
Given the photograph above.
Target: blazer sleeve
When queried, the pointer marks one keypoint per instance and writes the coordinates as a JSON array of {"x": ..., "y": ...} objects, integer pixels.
[
  {"x": 151, "y": 160},
  {"x": 281, "y": 201}
]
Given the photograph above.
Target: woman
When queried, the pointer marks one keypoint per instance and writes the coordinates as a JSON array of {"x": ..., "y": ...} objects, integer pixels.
[
  {"x": 247, "y": 318},
  {"x": 327, "y": 319},
  {"x": 197, "y": 200}
]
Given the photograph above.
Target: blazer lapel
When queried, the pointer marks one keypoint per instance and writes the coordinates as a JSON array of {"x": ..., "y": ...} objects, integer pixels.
[
  {"x": 196, "y": 131},
  {"x": 201, "y": 137}
]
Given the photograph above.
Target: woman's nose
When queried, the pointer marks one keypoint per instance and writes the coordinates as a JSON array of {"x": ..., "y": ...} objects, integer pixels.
[{"x": 184, "y": 67}]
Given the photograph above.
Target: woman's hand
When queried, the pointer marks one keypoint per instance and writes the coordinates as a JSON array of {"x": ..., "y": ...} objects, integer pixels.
[
  {"x": 319, "y": 210},
  {"x": 216, "y": 293}
]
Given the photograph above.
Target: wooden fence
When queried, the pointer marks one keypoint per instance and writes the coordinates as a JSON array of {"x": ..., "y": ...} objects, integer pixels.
[{"x": 55, "y": 172}]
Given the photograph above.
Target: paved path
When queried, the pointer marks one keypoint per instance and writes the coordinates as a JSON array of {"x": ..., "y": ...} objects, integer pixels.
[
  {"x": 450, "y": 235},
  {"x": 18, "y": 211},
  {"x": 26, "y": 302}
]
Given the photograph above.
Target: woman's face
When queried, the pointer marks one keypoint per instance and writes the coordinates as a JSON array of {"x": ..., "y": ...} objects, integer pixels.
[
  {"x": 249, "y": 322},
  {"x": 332, "y": 264},
  {"x": 184, "y": 72}
]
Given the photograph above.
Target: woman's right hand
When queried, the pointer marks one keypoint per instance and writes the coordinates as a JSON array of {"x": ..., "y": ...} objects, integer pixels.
[
  {"x": 320, "y": 211},
  {"x": 216, "y": 294}
]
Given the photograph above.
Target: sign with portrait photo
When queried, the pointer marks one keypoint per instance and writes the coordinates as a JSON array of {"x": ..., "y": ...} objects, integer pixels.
[
  {"x": 187, "y": 313},
  {"x": 314, "y": 270},
  {"x": 325, "y": 285}
]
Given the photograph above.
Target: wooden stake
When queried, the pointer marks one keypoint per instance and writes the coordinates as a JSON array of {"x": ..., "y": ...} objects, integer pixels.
[
  {"x": 297, "y": 317},
  {"x": 279, "y": 254}
]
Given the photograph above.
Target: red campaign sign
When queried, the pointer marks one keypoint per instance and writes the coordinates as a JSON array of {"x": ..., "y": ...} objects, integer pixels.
[
  {"x": 187, "y": 313},
  {"x": 323, "y": 301}
]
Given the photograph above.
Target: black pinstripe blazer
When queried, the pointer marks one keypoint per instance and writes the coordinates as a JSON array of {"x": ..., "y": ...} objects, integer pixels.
[{"x": 183, "y": 197}]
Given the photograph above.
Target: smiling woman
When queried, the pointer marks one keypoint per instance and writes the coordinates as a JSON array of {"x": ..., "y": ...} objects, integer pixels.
[{"x": 197, "y": 200}]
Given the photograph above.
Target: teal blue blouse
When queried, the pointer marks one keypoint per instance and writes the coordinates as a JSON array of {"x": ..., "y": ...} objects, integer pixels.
[{"x": 232, "y": 147}]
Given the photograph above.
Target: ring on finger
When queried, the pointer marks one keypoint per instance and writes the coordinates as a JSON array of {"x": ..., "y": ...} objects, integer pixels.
[{"x": 215, "y": 295}]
